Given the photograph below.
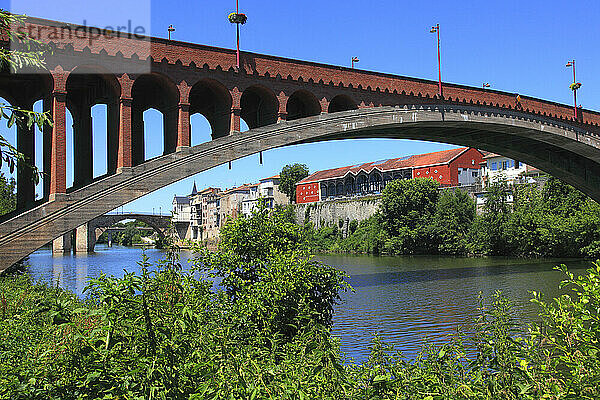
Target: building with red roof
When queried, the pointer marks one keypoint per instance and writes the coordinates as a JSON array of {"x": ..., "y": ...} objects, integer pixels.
[{"x": 455, "y": 167}]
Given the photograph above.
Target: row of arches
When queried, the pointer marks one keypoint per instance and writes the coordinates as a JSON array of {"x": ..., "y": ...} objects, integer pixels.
[
  {"x": 362, "y": 184},
  {"x": 158, "y": 112}
]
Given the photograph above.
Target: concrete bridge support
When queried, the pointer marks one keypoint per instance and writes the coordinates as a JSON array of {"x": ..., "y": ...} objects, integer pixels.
[
  {"x": 62, "y": 244},
  {"x": 85, "y": 239}
]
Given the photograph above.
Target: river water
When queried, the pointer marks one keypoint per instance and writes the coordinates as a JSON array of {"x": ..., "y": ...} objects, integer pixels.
[{"x": 404, "y": 300}]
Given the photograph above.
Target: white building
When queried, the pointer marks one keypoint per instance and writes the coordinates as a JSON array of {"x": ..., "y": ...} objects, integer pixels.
[
  {"x": 497, "y": 168},
  {"x": 182, "y": 211},
  {"x": 267, "y": 189}
]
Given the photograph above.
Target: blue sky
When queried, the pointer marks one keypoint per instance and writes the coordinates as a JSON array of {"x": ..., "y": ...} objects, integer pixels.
[{"x": 516, "y": 46}]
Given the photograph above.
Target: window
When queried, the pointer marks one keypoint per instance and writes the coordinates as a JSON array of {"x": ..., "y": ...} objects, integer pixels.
[
  {"x": 504, "y": 165},
  {"x": 517, "y": 164},
  {"x": 494, "y": 166},
  {"x": 474, "y": 174},
  {"x": 512, "y": 163}
]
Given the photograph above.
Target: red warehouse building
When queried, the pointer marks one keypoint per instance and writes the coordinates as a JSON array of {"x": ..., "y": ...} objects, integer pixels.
[{"x": 456, "y": 167}]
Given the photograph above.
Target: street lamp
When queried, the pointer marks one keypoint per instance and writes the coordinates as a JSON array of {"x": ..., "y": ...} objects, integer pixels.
[
  {"x": 354, "y": 60},
  {"x": 574, "y": 86},
  {"x": 436, "y": 29},
  {"x": 237, "y": 19},
  {"x": 171, "y": 28},
  {"x": 485, "y": 85}
]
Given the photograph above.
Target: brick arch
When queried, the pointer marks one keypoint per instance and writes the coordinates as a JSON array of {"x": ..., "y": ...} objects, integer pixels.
[
  {"x": 211, "y": 98},
  {"x": 302, "y": 103},
  {"x": 158, "y": 91},
  {"x": 259, "y": 106},
  {"x": 341, "y": 102},
  {"x": 86, "y": 86}
]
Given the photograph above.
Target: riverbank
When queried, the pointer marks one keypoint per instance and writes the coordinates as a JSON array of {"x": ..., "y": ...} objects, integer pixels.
[
  {"x": 414, "y": 218},
  {"x": 70, "y": 342}
]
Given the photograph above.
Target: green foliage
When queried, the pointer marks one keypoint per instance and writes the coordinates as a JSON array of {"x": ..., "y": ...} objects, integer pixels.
[
  {"x": 168, "y": 335},
  {"x": 264, "y": 259},
  {"x": 130, "y": 236},
  {"x": 289, "y": 176},
  {"x": 22, "y": 52},
  {"x": 417, "y": 218},
  {"x": 454, "y": 215},
  {"x": 8, "y": 196}
]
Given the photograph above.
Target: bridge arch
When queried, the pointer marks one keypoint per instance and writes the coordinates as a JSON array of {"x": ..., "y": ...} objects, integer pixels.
[
  {"x": 212, "y": 99},
  {"x": 301, "y": 104},
  {"x": 99, "y": 225},
  {"x": 23, "y": 91},
  {"x": 341, "y": 102},
  {"x": 88, "y": 86},
  {"x": 153, "y": 91},
  {"x": 568, "y": 151},
  {"x": 259, "y": 106}
]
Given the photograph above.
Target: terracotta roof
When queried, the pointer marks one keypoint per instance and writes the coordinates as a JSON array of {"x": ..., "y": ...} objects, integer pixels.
[
  {"x": 243, "y": 188},
  {"x": 269, "y": 178},
  {"x": 420, "y": 160},
  {"x": 487, "y": 154}
]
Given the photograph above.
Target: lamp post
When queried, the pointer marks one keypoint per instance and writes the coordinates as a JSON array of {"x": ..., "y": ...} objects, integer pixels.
[
  {"x": 237, "y": 19},
  {"x": 170, "y": 29},
  {"x": 574, "y": 87},
  {"x": 436, "y": 29},
  {"x": 354, "y": 60},
  {"x": 485, "y": 85}
]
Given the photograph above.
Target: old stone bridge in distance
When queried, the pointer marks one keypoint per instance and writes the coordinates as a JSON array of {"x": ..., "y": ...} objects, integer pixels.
[
  {"x": 87, "y": 235},
  {"x": 283, "y": 101}
]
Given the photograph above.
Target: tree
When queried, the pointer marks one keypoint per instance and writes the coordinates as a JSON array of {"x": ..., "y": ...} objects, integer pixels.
[
  {"x": 454, "y": 214},
  {"x": 8, "y": 198},
  {"x": 289, "y": 176},
  {"x": 22, "y": 52},
  {"x": 487, "y": 235},
  {"x": 407, "y": 209}
]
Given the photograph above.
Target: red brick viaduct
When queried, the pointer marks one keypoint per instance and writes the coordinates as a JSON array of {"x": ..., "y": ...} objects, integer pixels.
[{"x": 283, "y": 101}]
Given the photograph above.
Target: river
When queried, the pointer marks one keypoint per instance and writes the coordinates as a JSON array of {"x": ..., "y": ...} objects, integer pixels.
[{"x": 405, "y": 300}]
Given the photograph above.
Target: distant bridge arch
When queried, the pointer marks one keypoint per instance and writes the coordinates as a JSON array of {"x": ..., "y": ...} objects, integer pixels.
[{"x": 87, "y": 235}]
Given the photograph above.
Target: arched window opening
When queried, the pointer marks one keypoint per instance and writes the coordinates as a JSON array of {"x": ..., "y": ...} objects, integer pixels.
[
  {"x": 70, "y": 149},
  {"x": 92, "y": 99},
  {"x": 38, "y": 106},
  {"x": 200, "y": 128},
  {"x": 323, "y": 191},
  {"x": 153, "y": 134},
  {"x": 259, "y": 107},
  {"x": 153, "y": 91},
  {"x": 375, "y": 182},
  {"x": 331, "y": 190},
  {"x": 243, "y": 126},
  {"x": 339, "y": 189},
  {"x": 349, "y": 189},
  {"x": 341, "y": 103},
  {"x": 211, "y": 99},
  {"x": 100, "y": 139},
  {"x": 302, "y": 104},
  {"x": 362, "y": 184}
]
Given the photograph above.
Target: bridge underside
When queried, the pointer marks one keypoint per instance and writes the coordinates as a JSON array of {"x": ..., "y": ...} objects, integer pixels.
[{"x": 564, "y": 151}]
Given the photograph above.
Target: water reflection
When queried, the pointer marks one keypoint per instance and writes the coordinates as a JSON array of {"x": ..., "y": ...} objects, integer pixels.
[{"x": 405, "y": 300}]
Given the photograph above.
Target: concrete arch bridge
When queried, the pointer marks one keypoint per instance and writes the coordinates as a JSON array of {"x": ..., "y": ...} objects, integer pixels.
[
  {"x": 284, "y": 102},
  {"x": 87, "y": 235}
]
